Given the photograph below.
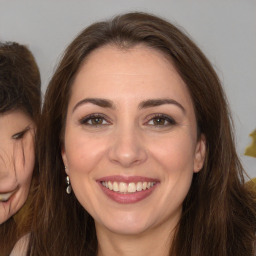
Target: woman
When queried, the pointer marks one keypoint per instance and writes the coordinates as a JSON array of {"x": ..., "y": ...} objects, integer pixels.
[
  {"x": 136, "y": 150},
  {"x": 19, "y": 113}
]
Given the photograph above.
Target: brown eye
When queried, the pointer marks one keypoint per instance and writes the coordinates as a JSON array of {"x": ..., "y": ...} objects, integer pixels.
[
  {"x": 94, "y": 120},
  {"x": 161, "y": 120}
]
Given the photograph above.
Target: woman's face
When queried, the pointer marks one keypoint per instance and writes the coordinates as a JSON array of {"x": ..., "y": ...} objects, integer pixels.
[
  {"x": 16, "y": 161},
  {"x": 130, "y": 143}
]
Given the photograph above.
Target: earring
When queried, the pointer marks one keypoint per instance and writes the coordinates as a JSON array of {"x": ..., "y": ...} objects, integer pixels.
[{"x": 68, "y": 189}]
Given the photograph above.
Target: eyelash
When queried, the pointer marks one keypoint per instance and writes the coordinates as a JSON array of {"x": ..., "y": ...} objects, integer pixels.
[
  {"x": 88, "y": 120},
  {"x": 19, "y": 135},
  {"x": 170, "y": 121}
]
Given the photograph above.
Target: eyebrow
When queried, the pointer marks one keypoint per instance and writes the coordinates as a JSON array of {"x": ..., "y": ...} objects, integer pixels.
[
  {"x": 96, "y": 101},
  {"x": 158, "y": 102},
  {"x": 104, "y": 103}
]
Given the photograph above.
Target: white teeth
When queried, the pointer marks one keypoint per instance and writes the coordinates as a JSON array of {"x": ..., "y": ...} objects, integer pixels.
[
  {"x": 123, "y": 187},
  {"x": 5, "y": 197},
  {"x": 110, "y": 186},
  {"x": 131, "y": 187},
  {"x": 139, "y": 186},
  {"x": 115, "y": 187}
]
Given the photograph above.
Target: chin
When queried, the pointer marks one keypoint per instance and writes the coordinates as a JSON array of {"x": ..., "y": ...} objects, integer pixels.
[
  {"x": 125, "y": 225},
  {"x": 127, "y": 230}
]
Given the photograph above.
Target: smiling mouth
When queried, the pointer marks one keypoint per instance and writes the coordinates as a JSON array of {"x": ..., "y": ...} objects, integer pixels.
[
  {"x": 4, "y": 197},
  {"x": 131, "y": 187},
  {"x": 127, "y": 190}
]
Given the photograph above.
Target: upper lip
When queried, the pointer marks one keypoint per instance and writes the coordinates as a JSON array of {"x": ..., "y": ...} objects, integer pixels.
[{"x": 127, "y": 179}]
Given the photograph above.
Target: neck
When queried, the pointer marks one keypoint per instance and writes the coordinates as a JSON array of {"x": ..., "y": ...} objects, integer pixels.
[{"x": 149, "y": 243}]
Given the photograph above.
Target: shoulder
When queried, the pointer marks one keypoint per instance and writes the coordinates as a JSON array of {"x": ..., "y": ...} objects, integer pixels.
[{"x": 20, "y": 248}]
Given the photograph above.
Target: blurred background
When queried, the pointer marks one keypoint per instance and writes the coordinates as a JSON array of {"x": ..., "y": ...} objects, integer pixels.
[{"x": 225, "y": 30}]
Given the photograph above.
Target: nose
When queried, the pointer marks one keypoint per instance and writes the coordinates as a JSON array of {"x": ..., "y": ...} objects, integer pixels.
[{"x": 127, "y": 148}]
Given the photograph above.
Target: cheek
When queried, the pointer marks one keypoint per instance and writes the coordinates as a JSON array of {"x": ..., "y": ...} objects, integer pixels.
[
  {"x": 25, "y": 161},
  {"x": 6, "y": 157},
  {"x": 83, "y": 153},
  {"x": 175, "y": 157},
  {"x": 17, "y": 160},
  {"x": 24, "y": 165},
  {"x": 24, "y": 170},
  {"x": 175, "y": 153}
]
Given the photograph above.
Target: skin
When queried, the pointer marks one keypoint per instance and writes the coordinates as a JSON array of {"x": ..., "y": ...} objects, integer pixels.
[
  {"x": 16, "y": 160},
  {"x": 129, "y": 140}
]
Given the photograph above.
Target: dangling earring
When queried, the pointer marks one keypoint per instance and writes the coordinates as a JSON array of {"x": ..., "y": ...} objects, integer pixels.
[{"x": 68, "y": 189}]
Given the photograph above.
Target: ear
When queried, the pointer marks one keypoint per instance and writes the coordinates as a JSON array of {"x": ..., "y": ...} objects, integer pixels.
[
  {"x": 200, "y": 153},
  {"x": 64, "y": 159}
]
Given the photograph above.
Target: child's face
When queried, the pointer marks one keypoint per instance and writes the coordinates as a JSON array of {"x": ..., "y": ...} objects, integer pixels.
[{"x": 17, "y": 158}]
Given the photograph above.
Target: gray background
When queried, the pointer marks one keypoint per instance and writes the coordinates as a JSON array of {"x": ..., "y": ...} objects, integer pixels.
[{"x": 224, "y": 29}]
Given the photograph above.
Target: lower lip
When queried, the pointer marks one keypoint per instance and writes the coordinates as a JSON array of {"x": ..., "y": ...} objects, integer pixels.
[{"x": 127, "y": 198}]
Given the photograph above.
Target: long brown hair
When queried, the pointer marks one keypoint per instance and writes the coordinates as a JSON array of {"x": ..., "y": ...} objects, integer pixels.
[
  {"x": 20, "y": 89},
  {"x": 219, "y": 216}
]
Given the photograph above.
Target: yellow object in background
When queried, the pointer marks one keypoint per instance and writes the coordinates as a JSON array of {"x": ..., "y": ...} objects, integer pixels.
[
  {"x": 251, "y": 150},
  {"x": 251, "y": 185}
]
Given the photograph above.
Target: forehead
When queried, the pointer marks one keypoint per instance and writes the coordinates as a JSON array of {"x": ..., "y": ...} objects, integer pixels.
[
  {"x": 111, "y": 59},
  {"x": 140, "y": 70}
]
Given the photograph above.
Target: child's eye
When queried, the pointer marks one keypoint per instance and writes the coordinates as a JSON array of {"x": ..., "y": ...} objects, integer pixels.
[
  {"x": 19, "y": 135},
  {"x": 94, "y": 120},
  {"x": 161, "y": 120}
]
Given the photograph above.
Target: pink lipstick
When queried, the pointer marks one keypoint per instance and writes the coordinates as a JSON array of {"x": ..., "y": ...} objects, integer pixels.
[{"x": 127, "y": 190}]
